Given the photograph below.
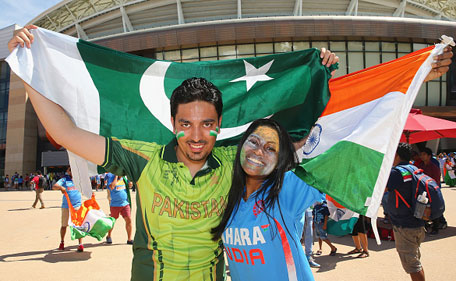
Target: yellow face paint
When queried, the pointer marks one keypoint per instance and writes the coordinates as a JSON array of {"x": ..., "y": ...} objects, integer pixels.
[{"x": 260, "y": 151}]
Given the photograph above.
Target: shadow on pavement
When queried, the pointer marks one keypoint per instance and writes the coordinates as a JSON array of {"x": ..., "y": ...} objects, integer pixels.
[
  {"x": 54, "y": 256},
  {"x": 443, "y": 233},
  {"x": 66, "y": 256},
  {"x": 30, "y": 208},
  {"x": 329, "y": 263}
]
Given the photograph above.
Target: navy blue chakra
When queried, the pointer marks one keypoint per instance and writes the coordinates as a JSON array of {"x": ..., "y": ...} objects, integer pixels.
[{"x": 313, "y": 140}]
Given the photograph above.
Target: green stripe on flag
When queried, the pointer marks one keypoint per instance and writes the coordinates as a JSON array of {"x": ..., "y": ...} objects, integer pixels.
[
  {"x": 347, "y": 171},
  {"x": 101, "y": 227},
  {"x": 342, "y": 227}
]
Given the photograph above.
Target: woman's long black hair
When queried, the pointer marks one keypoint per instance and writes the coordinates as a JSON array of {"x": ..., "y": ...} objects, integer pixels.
[{"x": 287, "y": 160}]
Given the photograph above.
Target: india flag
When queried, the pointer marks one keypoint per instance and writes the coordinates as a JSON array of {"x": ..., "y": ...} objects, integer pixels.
[
  {"x": 350, "y": 150},
  {"x": 89, "y": 219},
  {"x": 117, "y": 94},
  {"x": 341, "y": 220}
]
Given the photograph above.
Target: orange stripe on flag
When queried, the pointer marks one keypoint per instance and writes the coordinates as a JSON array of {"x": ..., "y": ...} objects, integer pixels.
[
  {"x": 362, "y": 86},
  {"x": 77, "y": 217},
  {"x": 329, "y": 198}
]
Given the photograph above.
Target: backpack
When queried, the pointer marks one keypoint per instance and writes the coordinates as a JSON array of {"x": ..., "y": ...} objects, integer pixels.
[
  {"x": 42, "y": 183},
  {"x": 386, "y": 234},
  {"x": 422, "y": 182}
]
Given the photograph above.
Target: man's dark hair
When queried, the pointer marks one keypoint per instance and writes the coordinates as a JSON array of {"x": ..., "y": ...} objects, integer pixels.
[
  {"x": 38, "y": 172},
  {"x": 404, "y": 150},
  {"x": 196, "y": 89},
  {"x": 427, "y": 150}
]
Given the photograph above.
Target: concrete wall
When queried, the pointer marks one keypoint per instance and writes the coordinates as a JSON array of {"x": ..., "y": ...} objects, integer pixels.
[{"x": 21, "y": 134}]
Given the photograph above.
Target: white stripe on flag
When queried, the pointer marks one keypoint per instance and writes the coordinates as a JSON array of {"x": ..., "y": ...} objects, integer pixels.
[{"x": 52, "y": 55}]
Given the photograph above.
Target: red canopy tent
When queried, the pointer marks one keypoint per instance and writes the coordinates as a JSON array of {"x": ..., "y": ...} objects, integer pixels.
[{"x": 420, "y": 127}]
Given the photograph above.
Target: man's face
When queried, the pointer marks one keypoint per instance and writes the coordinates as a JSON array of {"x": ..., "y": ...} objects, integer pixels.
[
  {"x": 195, "y": 126},
  {"x": 424, "y": 156},
  {"x": 260, "y": 152}
]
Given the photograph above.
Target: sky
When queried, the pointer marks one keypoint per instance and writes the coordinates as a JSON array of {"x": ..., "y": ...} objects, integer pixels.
[{"x": 21, "y": 12}]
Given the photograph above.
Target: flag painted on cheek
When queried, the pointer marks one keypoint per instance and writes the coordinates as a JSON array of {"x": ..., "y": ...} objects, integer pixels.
[{"x": 117, "y": 94}]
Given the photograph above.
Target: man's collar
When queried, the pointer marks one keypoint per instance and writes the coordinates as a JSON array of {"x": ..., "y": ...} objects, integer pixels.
[{"x": 169, "y": 155}]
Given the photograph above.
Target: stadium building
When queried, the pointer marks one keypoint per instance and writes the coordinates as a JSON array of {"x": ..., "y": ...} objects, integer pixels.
[{"x": 361, "y": 32}]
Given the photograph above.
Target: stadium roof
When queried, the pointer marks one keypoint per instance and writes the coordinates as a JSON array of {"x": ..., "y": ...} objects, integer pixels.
[{"x": 91, "y": 19}]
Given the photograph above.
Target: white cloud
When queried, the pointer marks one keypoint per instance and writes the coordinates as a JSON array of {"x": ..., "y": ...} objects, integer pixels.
[{"x": 22, "y": 11}]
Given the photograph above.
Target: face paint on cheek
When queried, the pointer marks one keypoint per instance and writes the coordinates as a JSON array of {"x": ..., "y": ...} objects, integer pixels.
[
  {"x": 270, "y": 165},
  {"x": 180, "y": 134},
  {"x": 242, "y": 157},
  {"x": 213, "y": 133},
  {"x": 254, "y": 164}
]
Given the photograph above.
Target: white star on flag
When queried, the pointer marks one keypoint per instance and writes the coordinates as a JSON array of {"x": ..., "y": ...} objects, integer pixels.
[{"x": 253, "y": 74}]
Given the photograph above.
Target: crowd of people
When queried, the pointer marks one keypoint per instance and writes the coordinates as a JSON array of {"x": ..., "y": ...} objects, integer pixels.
[{"x": 24, "y": 181}]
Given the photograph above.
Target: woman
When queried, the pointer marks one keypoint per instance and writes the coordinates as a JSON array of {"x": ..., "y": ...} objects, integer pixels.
[
  {"x": 448, "y": 172},
  {"x": 263, "y": 220}
]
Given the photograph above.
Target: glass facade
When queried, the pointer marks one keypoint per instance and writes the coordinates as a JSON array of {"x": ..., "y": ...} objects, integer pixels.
[
  {"x": 354, "y": 56},
  {"x": 4, "y": 94}
]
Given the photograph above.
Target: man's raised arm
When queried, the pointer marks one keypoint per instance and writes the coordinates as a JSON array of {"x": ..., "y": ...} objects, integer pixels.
[{"x": 55, "y": 120}]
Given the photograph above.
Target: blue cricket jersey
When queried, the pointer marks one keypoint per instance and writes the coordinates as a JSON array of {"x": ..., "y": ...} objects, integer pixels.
[
  {"x": 119, "y": 197},
  {"x": 71, "y": 190},
  {"x": 262, "y": 249}
]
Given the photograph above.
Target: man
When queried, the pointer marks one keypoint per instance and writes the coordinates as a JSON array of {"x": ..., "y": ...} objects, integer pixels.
[
  {"x": 39, "y": 189},
  {"x": 182, "y": 187},
  {"x": 408, "y": 231},
  {"x": 119, "y": 204},
  {"x": 429, "y": 165},
  {"x": 432, "y": 169},
  {"x": 66, "y": 186}
]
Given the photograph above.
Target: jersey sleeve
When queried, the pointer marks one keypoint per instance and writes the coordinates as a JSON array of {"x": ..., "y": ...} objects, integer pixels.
[
  {"x": 128, "y": 157},
  {"x": 61, "y": 182},
  {"x": 298, "y": 195}
]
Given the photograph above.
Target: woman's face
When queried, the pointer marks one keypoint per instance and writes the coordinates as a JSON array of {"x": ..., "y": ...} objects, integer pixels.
[{"x": 260, "y": 151}]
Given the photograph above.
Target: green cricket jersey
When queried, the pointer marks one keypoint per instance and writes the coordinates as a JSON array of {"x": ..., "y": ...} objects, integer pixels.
[{"x": 175, "y": 211}]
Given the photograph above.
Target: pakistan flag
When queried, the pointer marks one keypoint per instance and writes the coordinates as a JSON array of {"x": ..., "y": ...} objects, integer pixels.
[{"x": 118, "y": 94}]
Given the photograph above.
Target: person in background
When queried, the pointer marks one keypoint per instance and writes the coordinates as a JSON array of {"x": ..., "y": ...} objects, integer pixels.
[
  {"x": 20, "y": 182},
  {"x": 408, "y": 231},
  {"x": 320, "y": 216},
  {"x": 416, "y": 159},
  {"x": 39, "y": 189},
  {"x": 449, "y": 173},
  {"x": 67, "y": 187},
  {"x": 432, "y": 169},
  {"x": 7, "y": 182},
  {"x": 360, "y": 238},
  {"x": 119, "y": 204}
]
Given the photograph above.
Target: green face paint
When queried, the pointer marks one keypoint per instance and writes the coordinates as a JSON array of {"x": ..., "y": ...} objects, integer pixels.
[
  {"x": 180, "y": 134},
  {"x": 213, "y": 133}
]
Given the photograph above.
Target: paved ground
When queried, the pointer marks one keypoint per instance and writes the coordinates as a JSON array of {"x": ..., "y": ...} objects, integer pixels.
[{"x": 30, "y": 237}]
